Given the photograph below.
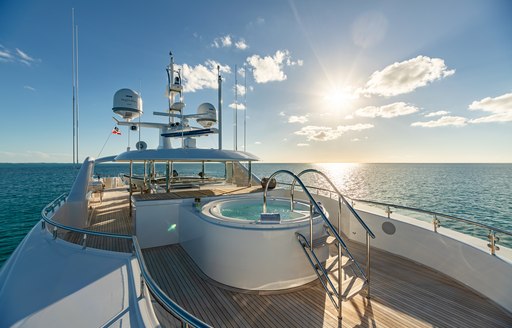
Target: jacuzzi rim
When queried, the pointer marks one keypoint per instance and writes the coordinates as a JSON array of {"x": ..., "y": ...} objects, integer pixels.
[{"x": 218, "y": 218}]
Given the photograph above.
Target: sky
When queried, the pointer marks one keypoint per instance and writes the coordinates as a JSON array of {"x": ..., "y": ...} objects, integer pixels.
[{"x": 319, "y": 81}]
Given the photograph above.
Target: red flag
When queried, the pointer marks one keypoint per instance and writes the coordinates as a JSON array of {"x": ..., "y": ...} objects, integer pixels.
[{"x": 116, "y": 131}]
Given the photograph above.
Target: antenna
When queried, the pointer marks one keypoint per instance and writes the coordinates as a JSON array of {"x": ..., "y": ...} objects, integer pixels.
[
  {"x": 219, "y": 82},
  {"x": 236, "y": 112},
  {"x": 77, "y": 101},
  {"x": 245, "y": 109},
  {"x": 73, "y": 75}
]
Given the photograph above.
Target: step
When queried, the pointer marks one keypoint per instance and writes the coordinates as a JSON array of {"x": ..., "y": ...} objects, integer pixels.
[
  {"x": 331, "y": 264},
  {"x": 323, "y": 241},
  {"x": 351, "y": 287}
]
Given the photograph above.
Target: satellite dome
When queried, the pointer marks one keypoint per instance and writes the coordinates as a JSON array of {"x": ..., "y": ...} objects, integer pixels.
[
  {"x": 208, "y": 115},
  {"x": 127, "y": 104}
]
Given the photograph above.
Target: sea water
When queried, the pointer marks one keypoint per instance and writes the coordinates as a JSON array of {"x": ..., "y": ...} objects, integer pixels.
[{"x": 478, "y": 192}]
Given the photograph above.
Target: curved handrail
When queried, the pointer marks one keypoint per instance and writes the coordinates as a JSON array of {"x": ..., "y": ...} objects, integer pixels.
[
  {"x": 451, "y": 217},
  {"x": 350, "y": 208},
  {"x": 481, "y": 225},
  {"x": 161, "y": 296},
  {"x": 315, "y": 204},
  {"x": 172, "y": 307}
]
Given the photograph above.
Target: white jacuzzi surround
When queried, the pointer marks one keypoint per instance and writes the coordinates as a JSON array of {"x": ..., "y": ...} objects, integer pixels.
[{"x": 247, "y": 254}]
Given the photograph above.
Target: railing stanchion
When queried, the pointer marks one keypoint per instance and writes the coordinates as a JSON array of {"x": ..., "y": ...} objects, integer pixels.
[
  {"x": 130, "y": 188},
  {"x": 436, "y": 223},
  {"x": 340, "y": 267},
  {"x": 291, "y": 197},
  {"x": 141, "y": 285},
  {"x": 311, "y": 225},
  {"x": 492, "y": 242},
  {"x": 367, "y": 265}
]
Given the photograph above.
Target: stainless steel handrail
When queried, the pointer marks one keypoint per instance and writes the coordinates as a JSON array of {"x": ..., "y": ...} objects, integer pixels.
[
  {"x": 173, "y": 308},
  {"x": 347, "y": 205},
  {"x": 318, "y": 209},
  {"x": 342, "y": 200},
  {"x": 161, "y": 297},
  {"x": 341, "y": 243},
  {"x": 447, "y": 216},
  {"x": 451, "y": 217}
]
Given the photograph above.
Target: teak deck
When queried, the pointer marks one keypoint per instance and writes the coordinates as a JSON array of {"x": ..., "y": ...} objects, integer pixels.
[{"x": 404, "y": 293}]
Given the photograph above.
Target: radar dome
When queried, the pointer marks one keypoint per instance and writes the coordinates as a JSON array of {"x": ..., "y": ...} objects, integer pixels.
[
  {"x": 127, "y": 104},
  {"x": 208, "y": 115}
]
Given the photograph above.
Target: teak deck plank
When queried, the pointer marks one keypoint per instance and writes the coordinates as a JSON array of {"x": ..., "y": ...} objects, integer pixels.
[
  {"x": 404, "y": 293},
  {"x": 412, "y": 296}
]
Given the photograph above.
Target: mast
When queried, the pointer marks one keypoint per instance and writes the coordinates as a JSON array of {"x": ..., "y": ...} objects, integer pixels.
[
  {"x": 73, "y": 76},
  {"x": 76, "y": 90},
  {"x": 170, "y": 80}
]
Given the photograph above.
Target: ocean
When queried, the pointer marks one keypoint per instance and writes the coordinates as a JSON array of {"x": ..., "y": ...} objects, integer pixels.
[{"x": 478, "y": 192}]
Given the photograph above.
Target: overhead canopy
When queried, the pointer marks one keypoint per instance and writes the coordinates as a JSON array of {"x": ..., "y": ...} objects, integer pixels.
[{"x": 185, "y": 155}]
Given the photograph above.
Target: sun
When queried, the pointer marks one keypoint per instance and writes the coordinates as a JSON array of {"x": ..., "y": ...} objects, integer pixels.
[{"x": 338, "y": 98}]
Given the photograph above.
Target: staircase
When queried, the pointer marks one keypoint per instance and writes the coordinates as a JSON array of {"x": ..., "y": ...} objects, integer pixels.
[
  {"x": 353, "y": 279},
  {"x": 341, "y": 275}
]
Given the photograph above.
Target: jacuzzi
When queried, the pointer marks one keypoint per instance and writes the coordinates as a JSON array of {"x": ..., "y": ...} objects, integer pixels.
[
  {"x": 249, "y": 210},
  {"x": 236, "y": 249}
]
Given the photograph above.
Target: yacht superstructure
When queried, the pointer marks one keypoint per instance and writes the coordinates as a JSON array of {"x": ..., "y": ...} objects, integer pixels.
[{"x": 164, "y": 248}]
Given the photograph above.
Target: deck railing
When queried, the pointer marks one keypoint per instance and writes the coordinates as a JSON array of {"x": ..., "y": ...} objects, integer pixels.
[
  {"x": 187, "y": 319},
  {"x": 436, "y": 216}
]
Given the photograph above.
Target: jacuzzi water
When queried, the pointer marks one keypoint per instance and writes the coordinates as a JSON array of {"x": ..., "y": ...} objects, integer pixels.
[{"x": 251, "y": 211}]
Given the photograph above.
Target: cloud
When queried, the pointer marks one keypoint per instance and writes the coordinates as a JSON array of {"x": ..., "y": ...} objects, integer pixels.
[
  {"x": 24, "y": 55},
  {"x": 222, "y": 41},
  {"x": 235, "y": 105},
  {"x": 355, "y": 140},
  {"x": 270, "y": 68},
  {"x": 302, "y": 145},
  {"x": 298, "y": 119},
  {"x": 500, "y": 108},
  {"x": 227, "y": 41},
  {"x": 202, "y": 76},
  {"x": 28, "y": 87},
  {"x": 387, "y": 111},
  {"x": 257, "y": 23},
  {"x": 5, "y": 55},
  {"x": 257, "y": 142},
  {"x": 324, "y": 133},
  {"x": 240, "y": 89},
  {"x": 241, "y": 44},
  {"x": 443, "y": 121},
  {"x": 406, "y": 76},
  {"x": 438, "y": 113},
  {"x": 17, "y": 55},
  {"x": 282, "y": 114}
]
